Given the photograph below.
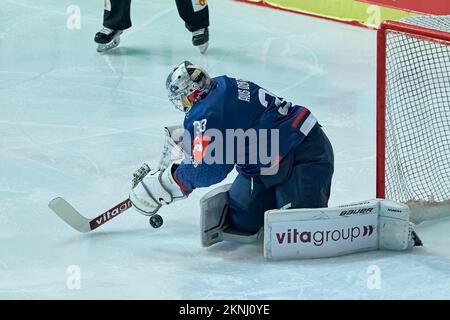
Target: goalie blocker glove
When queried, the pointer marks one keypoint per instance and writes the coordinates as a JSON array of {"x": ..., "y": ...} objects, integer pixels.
[{"x": 155, "y": 189}]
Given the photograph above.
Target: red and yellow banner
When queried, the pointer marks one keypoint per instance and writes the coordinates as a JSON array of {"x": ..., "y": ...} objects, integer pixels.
[
  {"x": 435, "y": 7},
  {"x": 370, "y": 13}
]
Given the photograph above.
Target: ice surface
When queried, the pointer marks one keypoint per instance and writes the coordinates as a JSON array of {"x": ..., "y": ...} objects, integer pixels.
[{"x": 76, "y": 124}]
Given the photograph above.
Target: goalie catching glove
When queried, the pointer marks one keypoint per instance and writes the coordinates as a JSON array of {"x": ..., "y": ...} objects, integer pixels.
[{"x": 153, "y": 189}]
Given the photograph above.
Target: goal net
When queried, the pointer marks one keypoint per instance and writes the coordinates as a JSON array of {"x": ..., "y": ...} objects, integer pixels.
[{"x": 413, "y": 114}]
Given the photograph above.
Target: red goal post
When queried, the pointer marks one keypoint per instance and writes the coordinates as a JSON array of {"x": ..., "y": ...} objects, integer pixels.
[{"x": 413, "y": 110}]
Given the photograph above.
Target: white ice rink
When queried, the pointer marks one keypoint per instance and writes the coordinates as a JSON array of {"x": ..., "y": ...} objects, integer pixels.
[{"x": 76, "y": 124}]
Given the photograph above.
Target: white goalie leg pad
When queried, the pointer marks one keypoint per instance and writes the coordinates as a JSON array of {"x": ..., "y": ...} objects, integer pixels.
[
  {"x": 329, "y": 232},
  {"x": 394, "y": 226},
  {"x": 214, "y": 229},
  {"x": 214, "y": 207},
  {"x": 242, "y": 237}
]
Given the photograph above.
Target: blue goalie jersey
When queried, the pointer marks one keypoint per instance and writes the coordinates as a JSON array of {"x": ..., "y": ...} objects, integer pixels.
[{"x": 238, "y": 124}]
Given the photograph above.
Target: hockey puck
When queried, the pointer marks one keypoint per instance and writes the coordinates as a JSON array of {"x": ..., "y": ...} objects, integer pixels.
[{"x": 156, "y": 221}]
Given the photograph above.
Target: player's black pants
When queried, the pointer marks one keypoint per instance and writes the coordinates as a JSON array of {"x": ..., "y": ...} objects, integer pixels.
[
  {"x": 117, "y": 14},
  {"x": 302, "y": 181}
]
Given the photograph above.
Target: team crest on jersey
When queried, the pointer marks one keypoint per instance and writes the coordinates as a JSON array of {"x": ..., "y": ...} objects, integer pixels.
[
  {"x": 200, "y": 126},
  {"x": 200, "y": 142}
]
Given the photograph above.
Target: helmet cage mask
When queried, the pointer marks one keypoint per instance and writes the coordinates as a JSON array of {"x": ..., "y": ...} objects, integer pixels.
[{"x": 186, "y": 84}]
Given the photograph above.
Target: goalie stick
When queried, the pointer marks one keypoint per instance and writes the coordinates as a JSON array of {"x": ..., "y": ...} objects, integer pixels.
[
  {"x": 72, "y": 217},
  {"x": 63, "y": 209}
]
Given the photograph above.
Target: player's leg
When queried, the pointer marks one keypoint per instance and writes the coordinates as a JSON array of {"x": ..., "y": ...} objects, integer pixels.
[
  {"x": 235, "y": 212},
  {"x": 117, "y": 14},
  {"x": 195, "y": 14},
  {"x": 309, "y": 184},
  {"x": 116, "y": 18},
  {"x": 248, "y": 200}
]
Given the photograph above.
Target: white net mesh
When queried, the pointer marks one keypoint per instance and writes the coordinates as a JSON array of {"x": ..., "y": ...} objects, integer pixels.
[
  {"x": 441, "y": 23},
  {"x": 418, "y": 114}
]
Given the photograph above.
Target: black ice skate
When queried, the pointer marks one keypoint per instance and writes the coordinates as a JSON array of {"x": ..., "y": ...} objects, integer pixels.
[
  {"x": 417, "y": 241},
  {"x": 107, "y": 39},
  {"x": 200, "y": 39}
]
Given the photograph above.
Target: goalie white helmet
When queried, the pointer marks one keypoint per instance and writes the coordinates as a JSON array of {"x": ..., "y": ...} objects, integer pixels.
[{"x": 187, "y": 84}]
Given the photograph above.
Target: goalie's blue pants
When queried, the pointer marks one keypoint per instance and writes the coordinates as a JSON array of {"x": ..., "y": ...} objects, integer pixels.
[{"x": 302, "y": 181}]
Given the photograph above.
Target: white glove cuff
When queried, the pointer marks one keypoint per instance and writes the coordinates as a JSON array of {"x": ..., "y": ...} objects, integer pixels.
[{"x": 169, "y": 183}]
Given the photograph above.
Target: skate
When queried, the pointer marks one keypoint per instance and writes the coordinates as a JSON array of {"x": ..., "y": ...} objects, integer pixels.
[
  {"x": 417, "y": 241},
  {"x": 200, "y": 39},
  {"x": 107, "y": 39},
  {"x": 414, "y": 239}
]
